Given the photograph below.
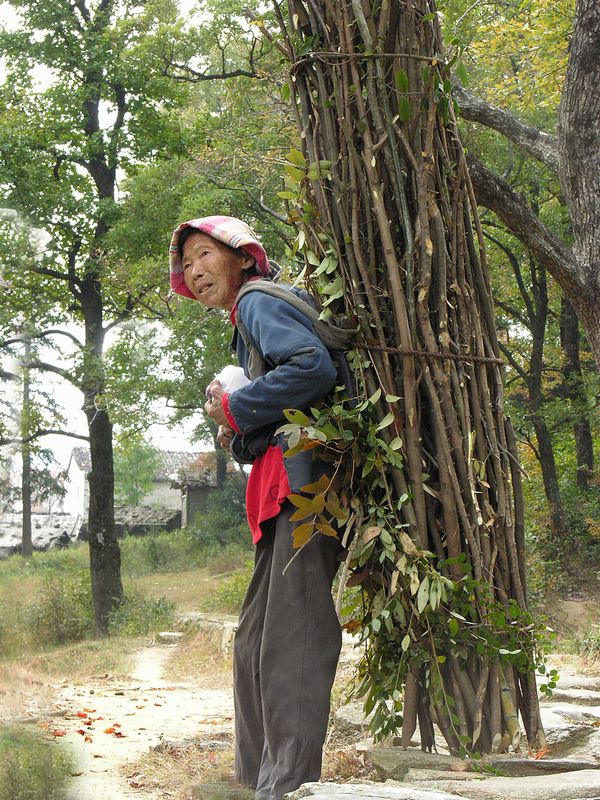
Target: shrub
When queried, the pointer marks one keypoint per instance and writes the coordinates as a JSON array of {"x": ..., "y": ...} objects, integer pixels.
[
  {"x": 224, "y": 521},
  {"x": 229, "y": 596},
  {"x": 139, "y": 614},
  {"x": 62, "y": 610},
  {"x": 31, "y": 768}
]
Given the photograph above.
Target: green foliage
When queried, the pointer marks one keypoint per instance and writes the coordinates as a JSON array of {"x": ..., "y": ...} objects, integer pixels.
[
  {"x": 139, "y": 614},
  {"x": 229, "y": 596},
  {"x": 224, "y": 521},
  {"x": 31, "y": 768},
  {"x": 136, "y": 462},
  {"x": 413, "y": 611},
  {"x": 61, "y": 611}
]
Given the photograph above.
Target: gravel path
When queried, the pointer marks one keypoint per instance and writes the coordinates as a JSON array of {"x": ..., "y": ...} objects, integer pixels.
[{"x": 112, "y": 721}]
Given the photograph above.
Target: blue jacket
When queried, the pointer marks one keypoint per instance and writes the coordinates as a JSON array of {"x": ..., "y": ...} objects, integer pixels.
[{"x": 301, "y": 372}]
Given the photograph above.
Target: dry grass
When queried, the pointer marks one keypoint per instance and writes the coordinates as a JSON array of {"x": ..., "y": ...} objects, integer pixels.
[
  {"x": 27, "y": 685},
  {"x": 186, "y": 589},
  {"x": 199, "y": 659},
  {"x": 173, "y": 768}
]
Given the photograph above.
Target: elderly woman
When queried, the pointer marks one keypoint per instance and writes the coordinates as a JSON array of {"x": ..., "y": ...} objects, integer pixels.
[{"x": 288, "y": 640}]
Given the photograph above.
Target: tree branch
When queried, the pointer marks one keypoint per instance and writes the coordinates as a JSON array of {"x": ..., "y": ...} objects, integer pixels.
[
  {"x": 45, "y": 367},
  {"x": 516, "y": 267},
  {"x": 57, "y": 332},
  {"x": 495, "y": 194},
  {"x": 192, "y": 75},
  {"x": 50, "y": 273},
  {"x": 541, "y": 146},
  {"x": 44, "y": 432}
]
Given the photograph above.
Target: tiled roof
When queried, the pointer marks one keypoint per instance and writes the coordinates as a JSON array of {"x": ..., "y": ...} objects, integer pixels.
[
  {"x": 170, "y": 461},
  {"x": 200, "y": 472}
]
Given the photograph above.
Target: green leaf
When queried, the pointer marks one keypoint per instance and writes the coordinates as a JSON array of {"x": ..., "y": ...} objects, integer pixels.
[
  {"x": 294, "y": 172},
  {"x": 392, "y": 398},
  {"x": 375, "y": 396},
  {"x": 404, "y": 109},
  {"x": 396, "y": 444},
  {"x": 296, "y": 416},
  {"x": 401, "y": 80},
  {"x": 295, "y": 157},
  {"x": 423, "y": 594},
  {"x": 461, "y": 73},
  {"x": 405, "y": 644},
  {"x": 287, "y": 195},
  {"x": 285, "y": 92},
  {"x": 387, "y": 420}
]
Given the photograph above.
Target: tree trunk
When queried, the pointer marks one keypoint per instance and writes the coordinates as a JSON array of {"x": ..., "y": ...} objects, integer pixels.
[
  {"x": 430, "y": 480},
  {"x": 574, "y": 391},
  {"x": 26, "y": 543},
  {"x": 579, "y": 140},
  {"x": 105, "y": 556}
]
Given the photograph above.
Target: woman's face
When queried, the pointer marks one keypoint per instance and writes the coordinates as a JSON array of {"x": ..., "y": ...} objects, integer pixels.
[{"x": 212, "y": 271}]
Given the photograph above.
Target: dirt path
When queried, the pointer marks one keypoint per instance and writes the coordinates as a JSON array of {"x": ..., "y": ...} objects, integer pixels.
[{"x": 112, "y": 721}]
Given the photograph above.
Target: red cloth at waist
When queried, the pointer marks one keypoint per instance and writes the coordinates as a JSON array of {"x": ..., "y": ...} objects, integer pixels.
[{"x": 267, "y": 489}]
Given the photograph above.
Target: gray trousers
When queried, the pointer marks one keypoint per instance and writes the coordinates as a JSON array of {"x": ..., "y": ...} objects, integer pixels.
[{"x": 286, "y": 651}]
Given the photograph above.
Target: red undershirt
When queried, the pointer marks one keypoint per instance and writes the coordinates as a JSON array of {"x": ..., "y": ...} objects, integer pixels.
[{"x": 268, "y": 486}]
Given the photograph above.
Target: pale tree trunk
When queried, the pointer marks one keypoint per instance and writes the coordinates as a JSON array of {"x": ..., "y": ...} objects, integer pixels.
[
  {"x": 26, "y": 543},
  {"x": 387, "y": 212}
]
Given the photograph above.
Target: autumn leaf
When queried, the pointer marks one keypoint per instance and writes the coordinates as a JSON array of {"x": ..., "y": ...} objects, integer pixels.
[
  {"x": 109, "y": 730},
  {"x": 302, "y": 534},
  {"x": 58, "y": 732},
  {"x": 88, "y": 738}
]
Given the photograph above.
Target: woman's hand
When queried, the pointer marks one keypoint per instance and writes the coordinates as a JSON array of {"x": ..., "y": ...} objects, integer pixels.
[
  {"x": 224, "y": 436},
  {"x": 213, "y": 407}
]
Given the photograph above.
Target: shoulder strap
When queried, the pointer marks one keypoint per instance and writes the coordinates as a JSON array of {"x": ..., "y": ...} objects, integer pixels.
[{"x": 333, "y": 336}]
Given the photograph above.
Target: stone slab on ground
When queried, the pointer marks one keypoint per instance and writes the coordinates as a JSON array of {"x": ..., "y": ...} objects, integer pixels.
[
  {"x": 591, "y": 682},
  {"x": 578, "y": 696},
  {"x": 395, "y": 762},
  {"x": 366, "y": 791},
  {"x": 524, "y": 767},
  {"x": 583, "y": 785},
  {"x": 561, "y": 786}
]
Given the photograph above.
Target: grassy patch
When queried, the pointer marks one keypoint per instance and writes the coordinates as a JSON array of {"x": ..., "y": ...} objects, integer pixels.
[
  {"x": 31, "y": 768},
  {"x": 178, "y": 766},
  {"x": 229, "y": 594},
  {"x": 200, "y": 659}
]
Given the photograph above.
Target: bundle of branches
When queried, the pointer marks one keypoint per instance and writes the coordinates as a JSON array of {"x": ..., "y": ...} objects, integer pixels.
[{"x": 426, "y": 476}]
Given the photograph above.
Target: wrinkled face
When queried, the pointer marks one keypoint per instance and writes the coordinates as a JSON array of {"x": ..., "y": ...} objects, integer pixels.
[{"x": 212, "y": 271}]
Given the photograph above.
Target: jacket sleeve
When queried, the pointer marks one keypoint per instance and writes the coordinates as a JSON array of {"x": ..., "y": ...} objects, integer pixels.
[{"x": 302, "y": 370}]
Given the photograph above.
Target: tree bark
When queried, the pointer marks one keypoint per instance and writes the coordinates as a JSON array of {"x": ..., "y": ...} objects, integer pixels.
[
  {"x": 574, "y": 391},
  {"x": 105, "y": 557},
  {"x": 573, "y": 154},
  {"x": 540, "y": 145}
]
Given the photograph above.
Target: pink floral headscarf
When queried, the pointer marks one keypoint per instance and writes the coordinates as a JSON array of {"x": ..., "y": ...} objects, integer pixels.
[{"x": 229, "y": 230}]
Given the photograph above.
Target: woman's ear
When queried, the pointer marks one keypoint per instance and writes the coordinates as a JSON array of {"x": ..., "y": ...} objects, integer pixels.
[{"x": 248, "y": 261}]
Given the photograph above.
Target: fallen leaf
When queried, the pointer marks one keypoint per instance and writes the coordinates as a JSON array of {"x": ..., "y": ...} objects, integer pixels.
[
  {"x": 90, "y": 710},
  {"x": 119, "y": 735},
  {"x": 82, "y": 714},
  {"x": 109, "y": 730},
  {"x": 58, "y": 732},
  {"x": 541, "y": 753},
  {"x": 76, "y": 774},
  {"x": 81, "y": 732},
  {"x": 88, "y": 738}
]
